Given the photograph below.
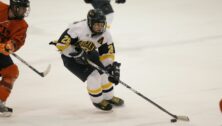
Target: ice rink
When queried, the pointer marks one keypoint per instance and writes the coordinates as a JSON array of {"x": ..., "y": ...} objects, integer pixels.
[{"x": 170, "y": 50}]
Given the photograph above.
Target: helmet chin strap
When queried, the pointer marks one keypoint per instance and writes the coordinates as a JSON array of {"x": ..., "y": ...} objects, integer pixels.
[
  {"x": 94, "y": 33},
  {"x": 97, "y": 33}
]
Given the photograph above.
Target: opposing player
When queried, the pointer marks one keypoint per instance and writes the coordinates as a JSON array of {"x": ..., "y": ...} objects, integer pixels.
[
  {"x": 106, "y": 7},
  {"x": 13, "y": 29},
  {"x": 89, "y": 39}
]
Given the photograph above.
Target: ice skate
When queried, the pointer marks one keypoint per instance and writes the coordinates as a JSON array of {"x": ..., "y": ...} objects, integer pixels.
[
  {"x": 5, "y": 111},
  {"x": 103, "y": 105},
  {"x": 116, "y": 101}
]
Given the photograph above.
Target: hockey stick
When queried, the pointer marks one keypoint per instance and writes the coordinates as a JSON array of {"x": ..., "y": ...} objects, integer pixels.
[
  {"x": 42, "y": 74},
  {"x": 175, "y": 117}
]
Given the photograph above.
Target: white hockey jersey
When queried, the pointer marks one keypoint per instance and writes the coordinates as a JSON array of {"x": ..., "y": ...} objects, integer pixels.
[{"x": 80, "y": 33}]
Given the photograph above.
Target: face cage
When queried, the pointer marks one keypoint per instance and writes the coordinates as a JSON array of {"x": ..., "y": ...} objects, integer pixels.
[
  {"x": 97, "y": 33},
  {"x": 16, "y": 12},
  {"x": 27, "y": 12}
]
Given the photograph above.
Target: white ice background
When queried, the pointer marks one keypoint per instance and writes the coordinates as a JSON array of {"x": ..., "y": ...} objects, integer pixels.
[{"x": 170, "y": 50}]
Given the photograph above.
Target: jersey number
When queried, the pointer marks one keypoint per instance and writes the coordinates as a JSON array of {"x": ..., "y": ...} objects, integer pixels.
[
  {"x": 111, "y": 48},
  {"x": 66, "y": 40}
]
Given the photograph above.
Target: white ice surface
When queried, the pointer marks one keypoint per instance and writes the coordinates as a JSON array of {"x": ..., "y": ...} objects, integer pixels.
[{"x": 170, "y": 50}]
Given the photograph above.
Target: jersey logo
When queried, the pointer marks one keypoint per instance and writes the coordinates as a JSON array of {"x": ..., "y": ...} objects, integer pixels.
[
  {"x": 66, "y": 40},
  {"x": 87, "y": 45}
]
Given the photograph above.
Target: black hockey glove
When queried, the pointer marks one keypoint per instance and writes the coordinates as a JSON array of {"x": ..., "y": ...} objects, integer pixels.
[
  {"x": 79, "y": 56},
  {"x": 94, "y": 57},
  {"x": 120, "y": 1},
  {"x": 114, "y": 71},
  {"x": 88, "y": 1}
]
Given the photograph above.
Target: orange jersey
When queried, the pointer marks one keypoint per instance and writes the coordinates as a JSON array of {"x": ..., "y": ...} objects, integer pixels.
[{"x": 14, "y": 30}]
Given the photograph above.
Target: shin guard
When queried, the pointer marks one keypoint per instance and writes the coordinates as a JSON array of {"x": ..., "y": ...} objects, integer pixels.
[{"x": 9, "y": 75}]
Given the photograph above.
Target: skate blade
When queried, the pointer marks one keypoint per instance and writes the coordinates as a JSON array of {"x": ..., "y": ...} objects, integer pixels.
[{"x": 6, "y": 114}]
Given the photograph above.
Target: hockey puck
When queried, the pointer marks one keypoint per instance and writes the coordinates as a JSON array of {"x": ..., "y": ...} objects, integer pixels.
[{"x": 173, "y": 120}]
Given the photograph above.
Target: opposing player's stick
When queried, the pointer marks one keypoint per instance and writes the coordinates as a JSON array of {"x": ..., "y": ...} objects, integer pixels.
[
  {"x": 175, "y": 117},
  {"x": 42, "y": 74}
]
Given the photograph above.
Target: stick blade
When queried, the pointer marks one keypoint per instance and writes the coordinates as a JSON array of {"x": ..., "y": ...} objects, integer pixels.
[
  {"x": 183, "y": 118},
  {"x": 43, "y": 74}
]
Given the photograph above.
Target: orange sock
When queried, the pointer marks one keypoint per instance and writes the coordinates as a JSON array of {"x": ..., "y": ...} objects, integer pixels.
[{"x": 4, "y": 93}]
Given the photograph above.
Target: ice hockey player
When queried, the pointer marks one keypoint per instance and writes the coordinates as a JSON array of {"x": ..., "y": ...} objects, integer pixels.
[
  {"x": 13, "y": 29},
  {"x": 89, "y": 39},
  {"x": 106, "y": 7}
]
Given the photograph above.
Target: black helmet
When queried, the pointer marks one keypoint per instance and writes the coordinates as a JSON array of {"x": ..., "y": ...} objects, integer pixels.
[
  {"x": 20, "y": 3},
  {"x": 16, "y": 5},
  {"x": 96, "y": 16}
]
